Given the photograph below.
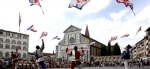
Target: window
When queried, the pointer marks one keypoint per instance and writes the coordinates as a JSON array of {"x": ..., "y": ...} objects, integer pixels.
[
  {"x": 24, "y": 43},
  {"x": 13, "y": 47},
  {"x": 7, "y": 41},
  {"x": 1, "y": 54},
  {"x": 19, "y": 55},
  {"x": 1, "y": 45},
  {"x": 24, "y": 48},
  {"x": 13, "y": 42},
  {"x": 7, "y": 34},
  {"x": 7, "y": 46},
  {"x": 7, "y": 54},
  {"x": 24, "y": 55},
  {"x": 19, "y": 42},
  {"x": 19, "y": 47},
  {"x": 19, "y": 36},
  {"x": 1, "y": 32},
  {"x": 13, "y": 35},
  {"x": 1, "y": 40},
  {"x": 25, "y": 37}
]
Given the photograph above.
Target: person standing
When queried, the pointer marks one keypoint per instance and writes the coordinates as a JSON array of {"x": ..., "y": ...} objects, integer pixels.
[
  {"x": 39, "y": 56},
  {"x": 14, "y": 57},
  {"x": 126, "y": 56},
  {"x": 75, "y": 56}
]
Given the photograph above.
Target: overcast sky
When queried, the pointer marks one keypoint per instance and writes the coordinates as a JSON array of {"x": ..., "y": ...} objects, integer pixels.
[{"x": 105, "y": 18}]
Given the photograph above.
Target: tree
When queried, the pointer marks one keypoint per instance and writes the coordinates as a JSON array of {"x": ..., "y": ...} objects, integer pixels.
[
  {"x": 116, "y": 50},
  {"x": 103, "y": 51},
  {"x": 109, "y": 49}
]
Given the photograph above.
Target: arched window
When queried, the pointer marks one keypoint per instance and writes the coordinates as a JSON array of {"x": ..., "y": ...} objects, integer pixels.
[
  {"x": 19, "y": 42},
  {"x": 1, "y": 45},
  {"x": 19, "y": 55},
  {"x": 24, "y": 48},
  {"x": 1, "y": 54},
  {"x": 24, "y": 55},
  {"x": 1, "y": 40},
  {"x": 19, "y": 47},
  {"x": 7, "y": 54},
  {"x": 7, "y": 41},
  {"x": 13, "y": 42},
  {"x": 24, "y": 43},
  {"x": 13, "y": 47},
  {"x": 7, "y": 46}
]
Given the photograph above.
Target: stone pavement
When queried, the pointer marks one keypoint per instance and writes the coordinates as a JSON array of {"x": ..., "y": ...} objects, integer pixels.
[{"x": 146, "y": 67}]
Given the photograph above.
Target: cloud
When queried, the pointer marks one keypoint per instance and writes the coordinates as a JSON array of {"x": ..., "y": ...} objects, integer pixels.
[{"x": 102, "y": 29}]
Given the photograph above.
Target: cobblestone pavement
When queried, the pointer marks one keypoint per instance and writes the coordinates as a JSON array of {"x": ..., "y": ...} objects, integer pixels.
[{"x": 145, "y": 67}]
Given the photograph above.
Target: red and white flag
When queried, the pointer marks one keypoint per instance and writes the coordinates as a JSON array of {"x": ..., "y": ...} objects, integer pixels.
[
  {"x": 31, "y": 28},
  {"x": 113, "y": 38},
  {"x": 79, "y": 4},
  {"x": 140, "y": 28},
  {"x": 36, "y": 2},
  {"x": 126, "y": 35},
  {"x": 43, "y": 34}
]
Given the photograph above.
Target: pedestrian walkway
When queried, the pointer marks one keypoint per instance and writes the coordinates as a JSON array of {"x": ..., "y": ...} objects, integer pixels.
[{"x": 146, "y": 67}]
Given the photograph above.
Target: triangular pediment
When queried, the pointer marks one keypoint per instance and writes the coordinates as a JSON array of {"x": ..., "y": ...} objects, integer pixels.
[{"x": 72, "y": 28}]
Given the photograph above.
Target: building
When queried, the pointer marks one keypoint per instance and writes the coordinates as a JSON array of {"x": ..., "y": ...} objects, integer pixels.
[
  {"x": 74, "y": 37},
  {"x": 141, "y": 48},
  {"x": 9, "y": 41}
]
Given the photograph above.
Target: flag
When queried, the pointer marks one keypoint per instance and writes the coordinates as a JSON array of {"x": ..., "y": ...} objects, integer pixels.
[
  {"x": 140, "y": 28},
  {"x": 78, "y": 4},
  {"x": 126, "y": 3},
  {"x": 43, "y": 34},
  {"x": 36, "y": 2},
  {"x": 92, "y": 43},
  {"x": 31, "y": 28},
  {"x": 126, "y": 35},
  {"x": 19, "y": 21},
  {"x": 56, "y": 37},
  {"x": 113, "y": 38}
]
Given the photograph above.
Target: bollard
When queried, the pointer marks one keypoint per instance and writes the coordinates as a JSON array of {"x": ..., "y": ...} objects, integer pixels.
[
  {"x": 20, "y": 66},
  {"x": 28, "y": 66},
  {"x": 24, "y": 66}
]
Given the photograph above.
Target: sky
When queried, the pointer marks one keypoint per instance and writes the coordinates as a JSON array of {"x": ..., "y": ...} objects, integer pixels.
[{"x": 105, "y": 18}]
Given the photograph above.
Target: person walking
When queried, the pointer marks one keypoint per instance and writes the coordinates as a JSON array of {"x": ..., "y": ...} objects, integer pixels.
[
  {"x": 39, "y": 56},
  {"x": 126, "y": 56},
  {"x": 75, "y": 56}
]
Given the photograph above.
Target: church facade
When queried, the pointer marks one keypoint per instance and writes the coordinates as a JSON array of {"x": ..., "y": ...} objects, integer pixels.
[{"x": 74, "y": 37}]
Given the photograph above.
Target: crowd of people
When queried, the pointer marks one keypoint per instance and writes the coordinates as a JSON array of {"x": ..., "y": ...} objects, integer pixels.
[{"x": 38, "y": 61}]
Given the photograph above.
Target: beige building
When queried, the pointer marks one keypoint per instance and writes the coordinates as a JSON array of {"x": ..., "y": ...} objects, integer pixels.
[
  {"x": 140, "y": 50},
  {"x": 10, "y": 40}
]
